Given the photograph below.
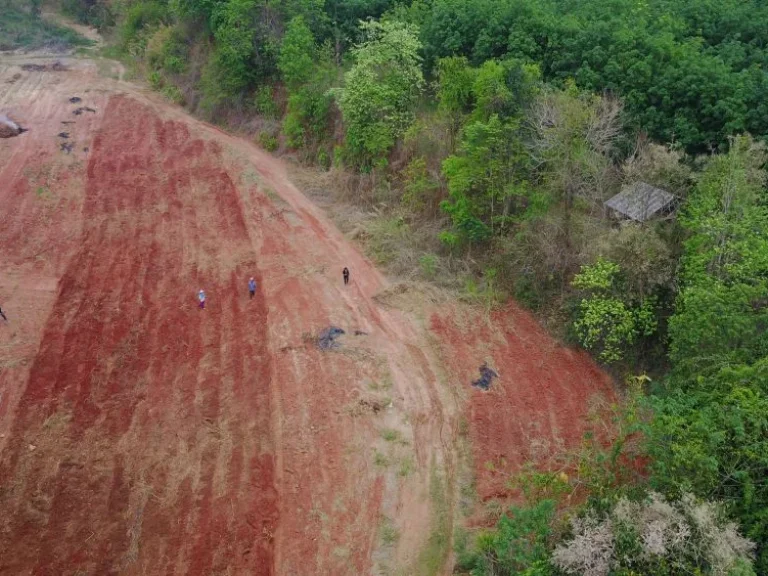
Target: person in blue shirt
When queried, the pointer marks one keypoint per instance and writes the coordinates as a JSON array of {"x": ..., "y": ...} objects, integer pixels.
[
  {"x": 201, "y": 297},
  {"x": 252, "y": 287}
]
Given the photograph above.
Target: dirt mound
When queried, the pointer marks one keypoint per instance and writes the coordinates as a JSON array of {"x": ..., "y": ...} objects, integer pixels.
[
  {"x": 9, "y": 128},
  {"x": 53, "y": 67}
]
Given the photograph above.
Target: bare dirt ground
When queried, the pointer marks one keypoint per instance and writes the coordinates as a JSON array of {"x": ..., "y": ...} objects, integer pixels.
[
  {"x": 537, "y": 409},
  {"x": 141, "y": 435}
]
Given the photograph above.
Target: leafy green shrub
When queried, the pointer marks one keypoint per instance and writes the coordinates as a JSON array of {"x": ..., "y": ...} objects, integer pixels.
[
  {"x": 380, "y": 90},
  {"x": 527, "y": 292},
  {"x": 232, "y": 66},
  {"x": 213, "y": 92},
  {"x": 297, "y": 53},
  {"x": 174, "y": 94},
  {"x": 155, "y": 79},
  {"x": 487, "y": 177},
  {"x": 519, "y": 545},
  {"x": 307, "y": 71},
  {"x": 166, "y": 50},
  {"x": 293, "y": 128},
  {"x": 264, "y": 102},
  {"x": 338, "y": 156},
  {"x": 454, "y": 89},
  {"x": 503, "y": 88},
  {"x": 473, "y": 184},
  {"x": 268, "y": 141},
  {"x": 323, "y": 158},
  {"x": 421, "y": 189},
  {"x": 721, "y": 310},
  {"x": 428, "y": 265},
  {"x": 606, "y": 323},
  {"x": 138, "y": 18}
]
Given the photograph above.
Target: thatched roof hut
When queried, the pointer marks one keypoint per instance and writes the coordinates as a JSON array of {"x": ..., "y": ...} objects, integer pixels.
[{"x": 641, "y": 202}]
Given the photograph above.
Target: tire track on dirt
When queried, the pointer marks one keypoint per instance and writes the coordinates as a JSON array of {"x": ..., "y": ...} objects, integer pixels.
[{"x": 421, "y": 408}]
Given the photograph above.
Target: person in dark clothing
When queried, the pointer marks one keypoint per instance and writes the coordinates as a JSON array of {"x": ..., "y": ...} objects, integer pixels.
[
  {"x": 252, "y": 287},
  {"x": 345, "y": 273},
  {"x": 3, "y": 315}
]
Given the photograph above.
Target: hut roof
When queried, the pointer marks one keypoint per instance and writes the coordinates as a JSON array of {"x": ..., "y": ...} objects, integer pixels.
[{"x": 640, "y": 201}]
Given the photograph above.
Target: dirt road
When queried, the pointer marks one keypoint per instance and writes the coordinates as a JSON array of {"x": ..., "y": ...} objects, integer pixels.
[{"x": 140, "y": 434}]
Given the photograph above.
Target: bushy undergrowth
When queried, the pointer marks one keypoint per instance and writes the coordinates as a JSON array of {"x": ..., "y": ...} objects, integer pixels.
[{"x": 21, "y": 27}]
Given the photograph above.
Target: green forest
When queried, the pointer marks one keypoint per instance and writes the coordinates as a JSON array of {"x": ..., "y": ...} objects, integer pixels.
[{"x": 490, "y": 134}]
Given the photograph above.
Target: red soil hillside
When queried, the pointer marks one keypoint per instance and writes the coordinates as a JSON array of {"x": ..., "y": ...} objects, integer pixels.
[
  {"x": 142, "y": 435},
  {"x": 535, "y": 409}
]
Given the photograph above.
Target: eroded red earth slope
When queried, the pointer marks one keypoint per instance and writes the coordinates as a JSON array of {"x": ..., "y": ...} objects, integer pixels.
[{"x": 141, "y": 435}]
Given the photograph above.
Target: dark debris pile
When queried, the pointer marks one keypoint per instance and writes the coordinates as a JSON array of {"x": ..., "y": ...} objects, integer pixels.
[
  {"x": 327, "y": 338},
  {"x": 486, "y": 377}
]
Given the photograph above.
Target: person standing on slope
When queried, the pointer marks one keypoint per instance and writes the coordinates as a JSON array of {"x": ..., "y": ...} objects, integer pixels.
[
  {"x": 345, "y": 273},
  {"x": 3, "y": 315},
  {"x": 201, "y": 298},
  {"x": 252, "y": 287}
]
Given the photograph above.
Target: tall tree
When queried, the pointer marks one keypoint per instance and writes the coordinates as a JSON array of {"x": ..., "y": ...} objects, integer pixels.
[
  {"x": 380, "y": 91},
  {"x": 307, "y": 72},
  {"x": 710, "y": 433},
  {"x": 722, "y": 309},
  {"x": 297, "y": 53}
]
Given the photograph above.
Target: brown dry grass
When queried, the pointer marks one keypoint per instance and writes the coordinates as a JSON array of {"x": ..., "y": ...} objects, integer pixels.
[{"x": 368, "y": 211}]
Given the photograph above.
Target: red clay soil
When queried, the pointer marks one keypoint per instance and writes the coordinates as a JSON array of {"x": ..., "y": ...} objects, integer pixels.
[
  {"x": 134, "y": 395},
  {"x": 538, "y": 406},
  {"x": 141, "y": 435}
]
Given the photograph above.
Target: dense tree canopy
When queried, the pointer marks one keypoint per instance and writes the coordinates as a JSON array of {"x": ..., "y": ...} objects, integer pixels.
[
  {"x": 380, "y": 91},
  {"x": 711, "y": 432},
  {"x": 691, "y": 71}
]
